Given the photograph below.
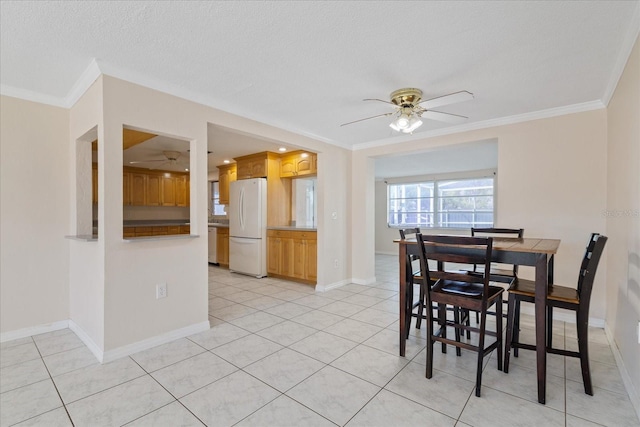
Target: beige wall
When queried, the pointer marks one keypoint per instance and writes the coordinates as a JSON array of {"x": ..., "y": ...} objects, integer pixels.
[
  {"x": 34, "y": 214},
  {"x": 623, "y": 222},
  {"x": 551, "y": 181}
]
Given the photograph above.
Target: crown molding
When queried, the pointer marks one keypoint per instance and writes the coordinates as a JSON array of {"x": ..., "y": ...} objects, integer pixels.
[
  {"x": 86, "y": 79},
  {"x": 27, "y": 95},
  {"x": 625, "y": 52},
  {"x": 502, "y": 121}
]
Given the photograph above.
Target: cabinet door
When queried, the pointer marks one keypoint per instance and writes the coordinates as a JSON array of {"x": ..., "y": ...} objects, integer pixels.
[
  {"x": 244, "y": 169},
  {"x": 258, "y": 168},
  {"x": 311, "y": 261},
  {"x": 223, "y": 187},
  {"x": 154, "y": 188},
  {"x": 126, "y": 189},
  {"x": 223, "y": 246},
  {"x": 287, "y": 167},
  {"x": 287, "y": 259},
  {"x": 168, "y": 191},
  {"x": 304, "y": 165},
  {"x": 182, "y": 191},
  {"x": 138, "y": 189},
  {"x": 299, "y": 258},
  {"x": 274, "y": 248}
]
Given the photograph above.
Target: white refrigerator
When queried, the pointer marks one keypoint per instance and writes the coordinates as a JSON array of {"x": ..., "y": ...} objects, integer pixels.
[{"x": 248, "y": 227}]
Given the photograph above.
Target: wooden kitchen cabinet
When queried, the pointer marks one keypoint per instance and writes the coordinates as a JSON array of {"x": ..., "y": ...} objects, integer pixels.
[
  {"x": 154, "y": 190},
  {"x": 182, "y": 191},
  {"x": 126, "y": 189},
  {"x": 168, "y": 191},
  {"x": 292, "y": 255},
  {"x": 138, "y": 189},
  {"x": 298, "y": 163},
  {"x": 226, "y": 175},
  {"x": 279, "y": 253},
  {"x": 254, "y": 165},
  {"x": 222, "y": 246}
]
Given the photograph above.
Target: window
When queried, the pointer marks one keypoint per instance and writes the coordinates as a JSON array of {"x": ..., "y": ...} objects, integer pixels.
[
  {"x": 446, "y": 203},
  {"x": 216, "y": 208}
]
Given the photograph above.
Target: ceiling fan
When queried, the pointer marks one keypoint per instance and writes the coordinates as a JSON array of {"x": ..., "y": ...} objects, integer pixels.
[
  {"x": 410, "y": 109},
  {"x": 171, "y": 158}
]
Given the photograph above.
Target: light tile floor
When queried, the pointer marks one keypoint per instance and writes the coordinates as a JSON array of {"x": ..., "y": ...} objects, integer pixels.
[{"x": 279, "y": 354}]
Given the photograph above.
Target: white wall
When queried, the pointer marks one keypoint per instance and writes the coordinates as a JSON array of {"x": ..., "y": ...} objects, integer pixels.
[
  {"x": 34, "y": 215},
  {"x": 623, "y": 222},
  {"x": 551, "y": 181}
]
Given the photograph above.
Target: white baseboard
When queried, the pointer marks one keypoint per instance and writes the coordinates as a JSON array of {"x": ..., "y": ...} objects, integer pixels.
[
  {"x": 87, "y": 340},
  {"x": 634, "y": 396},
  {"x": 334, "y": 285},
  {"x": 148, "y": 343},
  {"x": 33, "y": 330},
  {"x": 386, "y": 253},
  {"x": 365, "y": 282}
]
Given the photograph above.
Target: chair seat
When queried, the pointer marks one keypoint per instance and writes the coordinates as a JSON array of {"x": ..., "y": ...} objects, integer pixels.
[
  {"x": 527, "y": 288},
  {"x": 473, "y": 290}
]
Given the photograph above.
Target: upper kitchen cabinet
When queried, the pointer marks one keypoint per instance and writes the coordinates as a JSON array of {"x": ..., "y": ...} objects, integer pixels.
[
  {"x": 298, "y": 163},
  {"x": 141, "y": 187},
  {"x": 226, "y": 174},
  {"x": 255, "y": 165},
  {"x": 267, "y": 165}
]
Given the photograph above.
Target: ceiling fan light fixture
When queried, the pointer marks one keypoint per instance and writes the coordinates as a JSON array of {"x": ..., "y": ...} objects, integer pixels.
[{"x": 414, "y": 124}]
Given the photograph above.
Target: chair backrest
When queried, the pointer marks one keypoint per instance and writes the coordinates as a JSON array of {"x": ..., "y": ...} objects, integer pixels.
[
  {"x": 410, "y": 233},
  {"x": 589, "y": 267},
  {"x": 496, "y": 232},
  {"x": 456, "y": 249}
]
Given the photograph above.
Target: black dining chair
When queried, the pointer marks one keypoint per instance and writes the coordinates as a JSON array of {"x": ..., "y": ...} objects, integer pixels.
[
  {"x": 414, "y": 277},
  {"x": 501, "y": 273},
  {"x": 569, "y": 298},
  {"x": 461, "y": 291}
]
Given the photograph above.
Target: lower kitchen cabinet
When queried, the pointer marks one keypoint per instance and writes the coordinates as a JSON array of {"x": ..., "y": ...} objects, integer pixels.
[
  {"x": 222, "y": 246},
  {"x": 160, "y": 230},
  {"x": 292, "y": 255}
]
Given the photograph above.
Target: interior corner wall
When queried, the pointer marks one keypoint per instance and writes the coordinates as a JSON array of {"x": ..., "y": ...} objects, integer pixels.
[
  {"x": 623, "y": 218},
  {"x": 549, "y": 182},
  {"x": 86, "y": 258},
  {"x": 132, "y": 313},
  {"x": 34, "y": 214}
]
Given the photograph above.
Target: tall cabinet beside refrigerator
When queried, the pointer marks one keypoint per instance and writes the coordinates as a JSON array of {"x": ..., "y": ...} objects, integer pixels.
[{"x": 248, "y": 227}]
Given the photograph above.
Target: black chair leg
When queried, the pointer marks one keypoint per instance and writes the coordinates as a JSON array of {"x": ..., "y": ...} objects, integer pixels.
[
  {"x": 442, "y": 314},
  {"x": 509, "y": 334},
  {"x": 583, "y": 349},
  {"x": 456, "y": 321},
  {"x": 499, "y": 332},
  {"x": 549, "y": 326},
  {"x": 420, "y": 308},
  {"x": 483, "y": 324},
  {"x": 430, "y": 342},
  {"x": 516, "y": 326}
]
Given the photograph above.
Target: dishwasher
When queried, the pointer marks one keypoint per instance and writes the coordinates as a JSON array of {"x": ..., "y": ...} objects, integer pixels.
[{"x": 213, "y": 245}]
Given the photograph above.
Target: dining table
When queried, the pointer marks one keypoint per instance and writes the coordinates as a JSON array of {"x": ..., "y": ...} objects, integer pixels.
[{"x": 535, "y": 252}]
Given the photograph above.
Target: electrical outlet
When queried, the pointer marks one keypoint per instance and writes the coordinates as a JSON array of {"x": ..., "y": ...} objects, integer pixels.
[
  {"x": 335, "y": 263},
  {"x": 161, "y": 290},
  {"x": 334, "y": 215}
]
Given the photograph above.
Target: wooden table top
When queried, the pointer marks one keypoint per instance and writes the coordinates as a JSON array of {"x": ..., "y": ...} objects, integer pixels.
[{"x": 514, "y": 244}]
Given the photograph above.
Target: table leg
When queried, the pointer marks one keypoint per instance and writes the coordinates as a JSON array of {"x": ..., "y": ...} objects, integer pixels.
[
  {"x": 402, "y": 257},
  {"x": 541, "y": 328}
]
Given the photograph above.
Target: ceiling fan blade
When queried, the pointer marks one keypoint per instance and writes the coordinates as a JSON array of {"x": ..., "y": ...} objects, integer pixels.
[
  {"x": 443, "y": 117},
  {"x": 367, "y": 118},
  {"x": 381, "y": 100},
  {"x": 147, "y": 161},
  {"x": 452, "y": 98}
]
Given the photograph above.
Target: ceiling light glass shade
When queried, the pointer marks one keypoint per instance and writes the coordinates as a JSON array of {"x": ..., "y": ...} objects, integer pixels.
[
  {"x": 406, "y": 123},
  {"x": 414, "y": 124}
]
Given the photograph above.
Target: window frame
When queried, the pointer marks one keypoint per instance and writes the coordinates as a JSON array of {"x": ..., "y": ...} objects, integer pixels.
[{"x": 435, "y": 181}]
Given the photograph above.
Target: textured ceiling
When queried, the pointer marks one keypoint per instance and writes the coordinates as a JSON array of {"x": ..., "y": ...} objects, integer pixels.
[{"x": 306, "y": 66}]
